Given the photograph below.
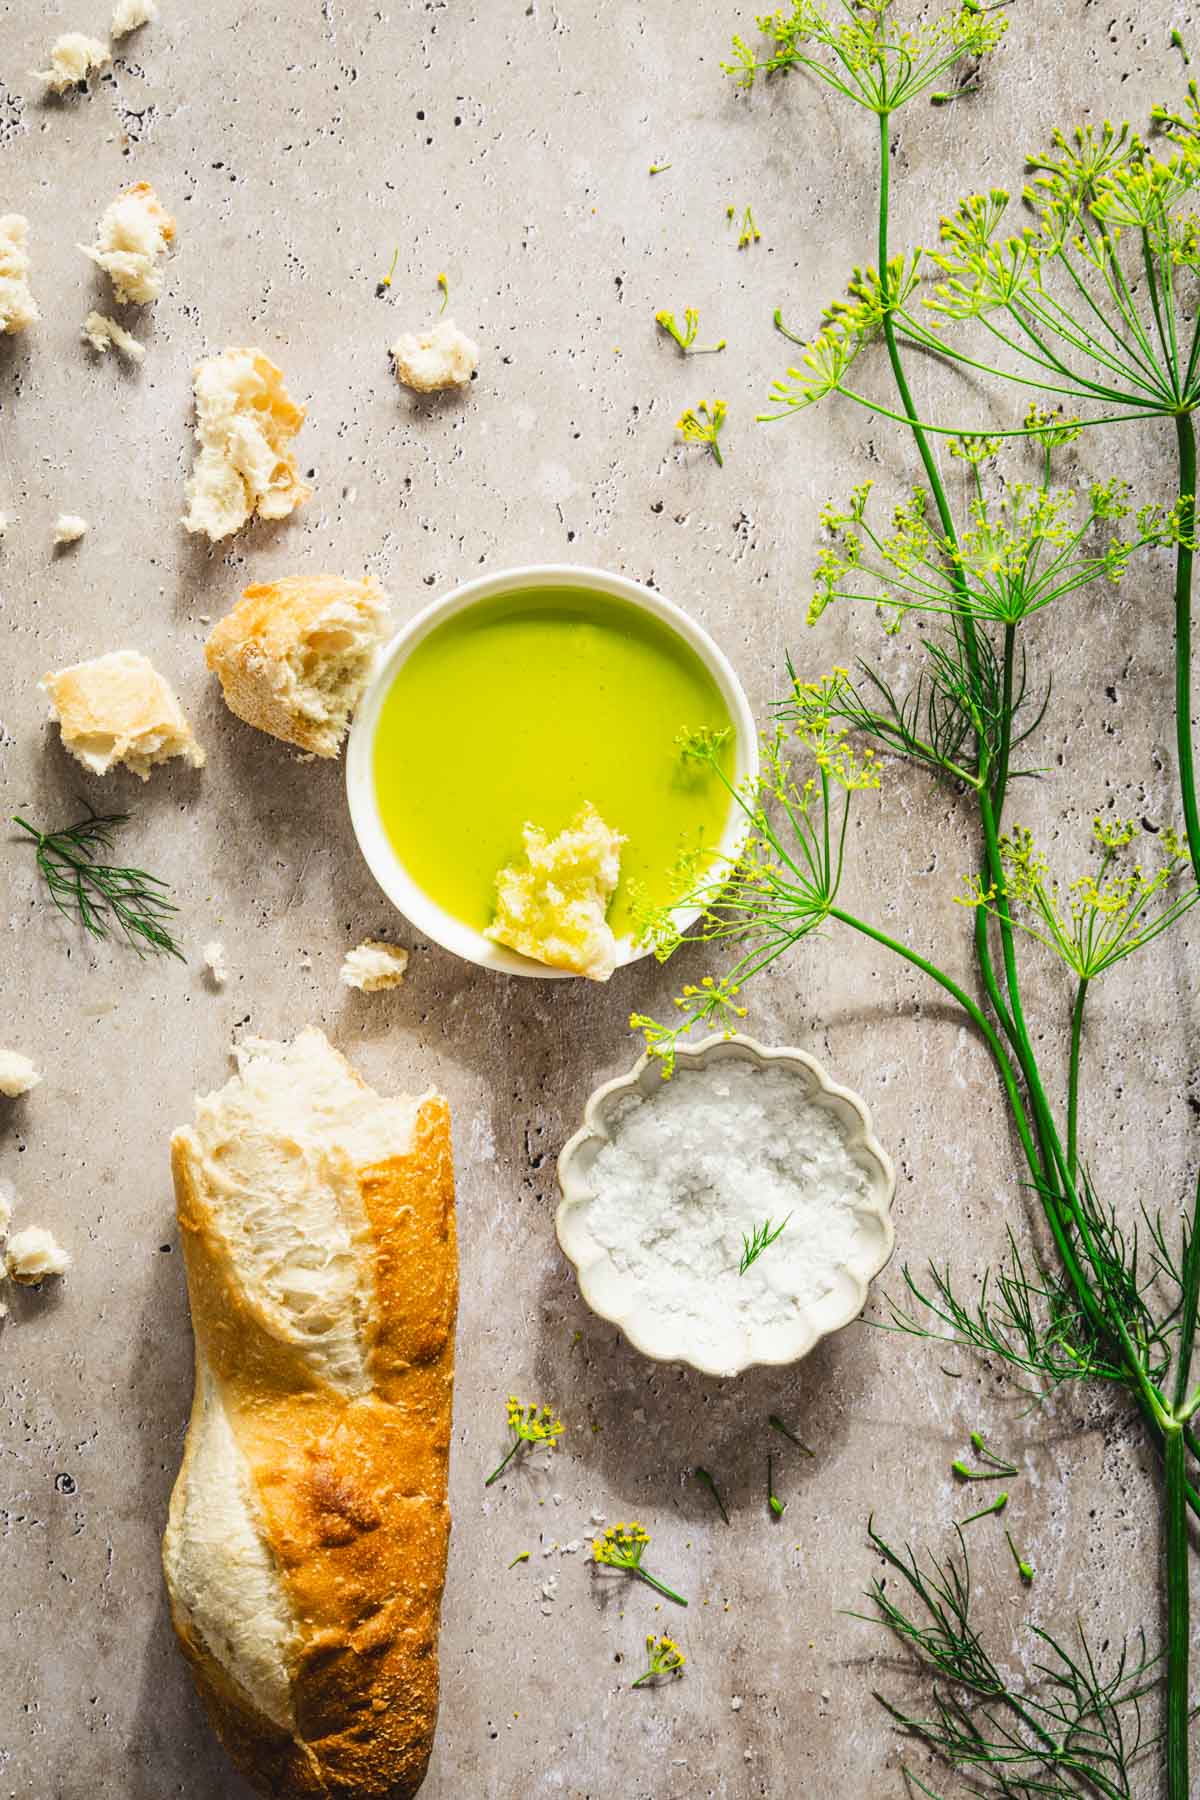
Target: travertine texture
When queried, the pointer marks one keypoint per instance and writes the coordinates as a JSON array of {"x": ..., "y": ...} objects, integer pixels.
[{"x": 508, "y": 145}]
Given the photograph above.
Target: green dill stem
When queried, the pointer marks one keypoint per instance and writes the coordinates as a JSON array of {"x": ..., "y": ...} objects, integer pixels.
[
  {"x": 659, "y": 1586},
  {"x": 777, "y": 1424},
  {"x": 496, "y": 1473},
  {"x": 1178, "y": 1615},
  {"x": 703, "y": 1476},
  {"x": 998, "y": 1505},
  {"x": 1073, "y": 1078},
  {"x": 1186, "y": 434}
]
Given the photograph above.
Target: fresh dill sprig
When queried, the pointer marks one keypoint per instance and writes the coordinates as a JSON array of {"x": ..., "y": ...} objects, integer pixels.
[
  {"x": 666, "y": 1658},
  {"x": 685, "y": 335},
  {"x": 622, "y": 1547},
  {"x": 760, "y": 1239},
  {"x": 995, "y": 1467},
  {"x": 777, "y": 1506},
  {"x": 1024, "y": 1569},
  {"x": 702, "y": 425},
  {"x": 101, "y": 896},
  {"x": 1077, "y": 1727},
  {"x": 530, "y": 1425},
  {"x": 998, "y": 1505},
  {"x": 777, "y": 1424},
  {"x": 381, "y": 287},
  {"x": 703, "y": 1476}
]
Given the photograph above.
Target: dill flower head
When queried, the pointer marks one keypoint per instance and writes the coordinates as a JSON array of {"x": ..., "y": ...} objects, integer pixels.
[
  {"x": 533, "y": 1424},
  {"x": 622, "y": 1545},
  {"x": 664, "y": 1658}
]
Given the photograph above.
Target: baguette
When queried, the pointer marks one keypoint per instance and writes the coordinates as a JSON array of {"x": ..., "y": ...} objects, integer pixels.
[{"x": 305, "y": 1551}]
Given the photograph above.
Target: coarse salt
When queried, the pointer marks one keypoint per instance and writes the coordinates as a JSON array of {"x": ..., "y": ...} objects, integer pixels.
[{"x": 692, "y": 1169}]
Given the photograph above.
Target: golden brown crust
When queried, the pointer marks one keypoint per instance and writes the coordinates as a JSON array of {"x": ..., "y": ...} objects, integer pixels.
[{"x": 351, "y": 1490}]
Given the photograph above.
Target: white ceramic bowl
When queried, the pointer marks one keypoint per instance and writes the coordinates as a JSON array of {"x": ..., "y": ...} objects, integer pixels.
[
  {"x": 429, "y": 918},
  {"x": 608, "y": 1290}
]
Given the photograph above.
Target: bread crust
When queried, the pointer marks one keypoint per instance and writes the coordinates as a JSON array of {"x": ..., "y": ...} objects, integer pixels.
[{"x": 350, "y": 1489}]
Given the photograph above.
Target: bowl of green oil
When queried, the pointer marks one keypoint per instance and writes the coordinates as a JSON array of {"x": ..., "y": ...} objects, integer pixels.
[{"x": 520, "y": 698}]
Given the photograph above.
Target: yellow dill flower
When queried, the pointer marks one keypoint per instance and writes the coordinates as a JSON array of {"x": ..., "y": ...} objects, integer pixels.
[
  {"x": 666, "y": 1658},
  {"x": 529, "y": 1424},
  {"x": 702, "y": 425},
  {"x": 622, "y": 1547}
]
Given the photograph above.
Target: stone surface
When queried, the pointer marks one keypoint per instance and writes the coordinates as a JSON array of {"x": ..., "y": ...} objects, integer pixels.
[{"x": 508, "y": 145}]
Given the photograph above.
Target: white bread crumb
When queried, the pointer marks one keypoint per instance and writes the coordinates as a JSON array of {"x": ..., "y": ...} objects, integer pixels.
[
  {"x": 214, "y": 961},
  {"x": 131, "y": 241},
  {"x": 129, "y": 14},
  {"x": 34, "y": 1253},
  {"x": 442, "y": 357},
  {"x": 553, "y": 906},
  {"x": 100, "y": 332},
  {"x": 18, "y": 308},
  {"x": 118, "y": 709},
  {"x": 17, "y": 1076},
  {"x": 72, "y": 59},
  {"x": 69, "y": 528},
  {"x": 245, "y": 420},
  {"x": 373, "y": 966}
]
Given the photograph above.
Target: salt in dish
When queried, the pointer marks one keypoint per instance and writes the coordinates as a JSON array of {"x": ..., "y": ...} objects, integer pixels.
[{"x": 668, "y": 1180}]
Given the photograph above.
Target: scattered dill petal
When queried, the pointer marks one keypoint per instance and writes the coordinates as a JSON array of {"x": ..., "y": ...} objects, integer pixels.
[
  {"x": 99, "y": 895},
  {"x": 778, "y": 1507},
  {"x": 529, "y": 1424},
  {"x": 622, "y": 1547},
  {"x": 1024, "y": 1569},
  {"x": 998, "y": 1505},
  {"x": 702, "y": 1475},
  {"x": 777, "y": 1424},
  {"x": 382, "y": 287},
  {"x": 1177, "y": 43},
  {"x": 754, "y": 1243},
  {"x": 445, "y": 287},
  {"x": 521, "y": 1556},
  {"x": 658, "y": 168},
  {"x": 666, "y": 1658},
  {"x": 702, "y": 425},
  {"x": 995, "y": 1467},
  {"x": 685, "y": 335}
]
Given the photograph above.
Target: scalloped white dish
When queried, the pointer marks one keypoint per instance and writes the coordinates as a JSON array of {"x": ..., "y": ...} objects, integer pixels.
[{"x": 661, "y": 1261}]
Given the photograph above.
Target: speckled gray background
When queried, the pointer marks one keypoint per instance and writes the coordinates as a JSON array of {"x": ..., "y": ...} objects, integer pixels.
[{"x": 508, "y": 143}]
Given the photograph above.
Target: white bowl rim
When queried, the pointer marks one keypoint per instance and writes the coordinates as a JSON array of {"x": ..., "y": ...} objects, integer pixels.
[
  {"x": 432, "y": 920},
  {"x": 734, "y": 1046}
]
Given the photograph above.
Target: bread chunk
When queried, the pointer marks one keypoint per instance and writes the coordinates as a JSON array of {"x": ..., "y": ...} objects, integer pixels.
[
  {"x": 18, "y": 308},
  {"x": 118, "y": 709},
  {"x": 442, "y": 357},
  {"x": 17, "y": 1074},
  {"x": 131, "y": 242},
  {"x": 73, "y": 56},
  {"x": 294, "y": 656},
  {"x": 102, "y": 333},
  {"x": 374, "y": 967},
  {"x": 129, "y": 14},
  {"x": 34, "y": 1253},
  {"x": 553, "y": 906},
  {"x": 245, "y": 420}
]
